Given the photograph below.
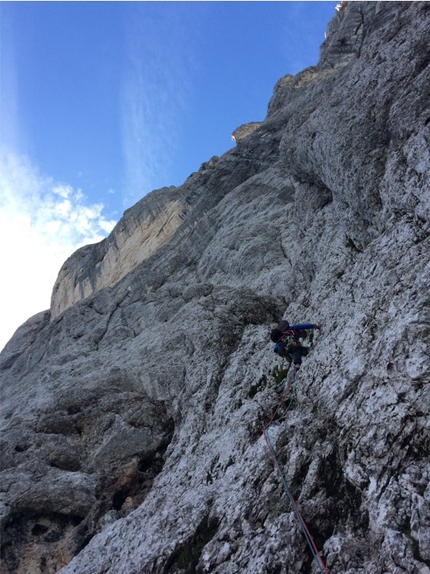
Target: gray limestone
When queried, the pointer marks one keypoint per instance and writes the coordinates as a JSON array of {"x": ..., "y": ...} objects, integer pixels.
[{"x": 132, "y": 412}]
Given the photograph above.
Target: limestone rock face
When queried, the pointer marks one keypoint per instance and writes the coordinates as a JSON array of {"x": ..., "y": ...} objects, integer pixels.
[
  {"x": 141, "y": 231},
  {"x": 245, "y": 130},
  {"x": 132, "y": 415}
]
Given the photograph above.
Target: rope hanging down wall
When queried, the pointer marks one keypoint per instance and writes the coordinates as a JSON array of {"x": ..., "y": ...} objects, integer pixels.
[{"x": 309, "y": 540}]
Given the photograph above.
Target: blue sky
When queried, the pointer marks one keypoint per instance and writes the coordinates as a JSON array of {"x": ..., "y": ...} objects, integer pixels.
[{"x": 102, "y": 102}]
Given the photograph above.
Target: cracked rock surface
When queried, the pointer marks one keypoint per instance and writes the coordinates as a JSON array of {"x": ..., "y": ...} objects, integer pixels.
[{"x": 132, "y": 412}]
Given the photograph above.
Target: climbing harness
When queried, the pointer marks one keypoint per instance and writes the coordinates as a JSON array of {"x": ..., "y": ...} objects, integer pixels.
[{"x": 305, "y": 530}]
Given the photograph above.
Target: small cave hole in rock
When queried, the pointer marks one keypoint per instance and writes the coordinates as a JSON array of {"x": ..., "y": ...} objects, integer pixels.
[
  {"x": 119, "y": 498},
  {"x": 39, "y": 529},
  {"x": 146, "y": 463}
]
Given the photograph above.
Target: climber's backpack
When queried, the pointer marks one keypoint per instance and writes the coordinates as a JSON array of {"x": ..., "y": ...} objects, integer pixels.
[{"x": 276, "y": 333}]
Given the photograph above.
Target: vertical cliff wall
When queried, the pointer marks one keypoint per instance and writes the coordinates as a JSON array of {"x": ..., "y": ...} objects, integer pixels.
[{"x": 132, "y": 415}]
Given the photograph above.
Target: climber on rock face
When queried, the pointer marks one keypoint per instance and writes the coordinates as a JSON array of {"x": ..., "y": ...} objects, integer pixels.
[{"x": 287, "y": 338}]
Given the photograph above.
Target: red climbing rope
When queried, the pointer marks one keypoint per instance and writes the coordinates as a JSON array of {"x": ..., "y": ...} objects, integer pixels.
[{"x": 297, "y": 512}]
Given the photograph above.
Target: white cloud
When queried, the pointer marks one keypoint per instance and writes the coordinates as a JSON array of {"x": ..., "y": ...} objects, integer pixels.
[{"x": 42, "y": 222}]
